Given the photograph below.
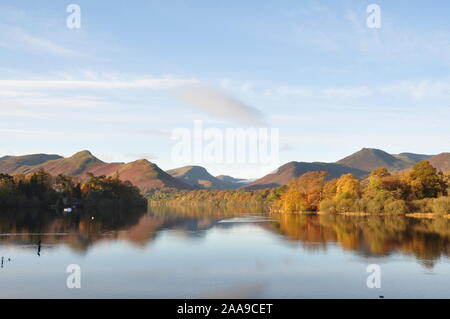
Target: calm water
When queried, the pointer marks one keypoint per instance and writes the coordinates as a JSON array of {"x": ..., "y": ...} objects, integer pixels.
[{"x": 194, "y": 253}]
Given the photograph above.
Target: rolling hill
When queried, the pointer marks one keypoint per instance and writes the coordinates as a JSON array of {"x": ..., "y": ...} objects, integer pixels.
[
  {"x": 411, "y": 157},
  {"x": 142, "y": 173},
  {"x": 147, "y": 175},
  {"x": 199, "y": 177},
  {"x": 441, "y": 162},
  {"x": 10, "y": 164},
  {"x": 369, "y": 159},
  {"x": 287, "y": 172},
  {"x": 76, "y": 165}
]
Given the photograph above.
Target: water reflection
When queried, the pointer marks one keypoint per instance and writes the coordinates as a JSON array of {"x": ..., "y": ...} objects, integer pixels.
[{"x": 426, "y": 239}]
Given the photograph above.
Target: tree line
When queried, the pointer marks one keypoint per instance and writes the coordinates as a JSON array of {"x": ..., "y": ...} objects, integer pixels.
[
  {"x": 421, "y": 189},
  {"x": 41, "y": 190}
]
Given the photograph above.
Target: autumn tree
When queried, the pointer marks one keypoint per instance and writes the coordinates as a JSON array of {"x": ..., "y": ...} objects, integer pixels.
[
  {"x": 304, "y": 193},
  {"x": 348, "y": 186},
  {"x": 426, "y": 182}
]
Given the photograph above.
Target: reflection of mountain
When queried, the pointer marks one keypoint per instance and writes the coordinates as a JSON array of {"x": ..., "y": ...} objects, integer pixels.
[
  {"x": 80, "y": 232},
  {"x": 427, "y": 239}
]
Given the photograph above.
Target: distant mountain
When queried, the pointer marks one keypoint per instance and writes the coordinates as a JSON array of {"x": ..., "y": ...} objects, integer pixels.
[
  {"x": 199, "y": 177},
  {"x": 369, "y": 159},
  {"x": 441, "y": 162},
  {"x": 287, "y": 172},
  {"x": 141, "y": 173},
  {"x": 147, "y": 175},
  {"x": 76, "y": 165},
  {"x": 230, "y": 179},
  {"x": 411, "y": 157},
  {"x": 10, "y": 164}
]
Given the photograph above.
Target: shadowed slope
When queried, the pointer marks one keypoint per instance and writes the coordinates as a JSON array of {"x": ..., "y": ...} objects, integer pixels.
[
  {"x": 147, "y": 175},
  {"x": 199, "y": 177},
  {"x": 441, "y": 162},
  {"x": 369, "y": 159}
]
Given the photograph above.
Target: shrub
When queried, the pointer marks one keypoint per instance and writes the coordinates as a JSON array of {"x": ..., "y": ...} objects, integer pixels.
[
  {"x": 440, "y": 206},
  {"x": 328, "y": 205},
  {"x": 395, "y": 207}
]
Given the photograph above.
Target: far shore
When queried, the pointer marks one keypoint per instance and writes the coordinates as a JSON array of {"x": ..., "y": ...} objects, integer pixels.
[{"x": 413, "y": 215}]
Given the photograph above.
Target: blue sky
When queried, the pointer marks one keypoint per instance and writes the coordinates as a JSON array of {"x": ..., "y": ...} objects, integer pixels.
[{"x": 310, "y": 68}]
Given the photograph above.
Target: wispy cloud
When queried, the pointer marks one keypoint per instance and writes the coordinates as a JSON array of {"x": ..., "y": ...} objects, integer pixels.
[
  {"x": 143, "y": 83},
  {"x": 420, "y": 89},
  {"x": 219, "y": 104},
  {"x": 415, "y": 89},
  {"x": 18, "y": 38}
]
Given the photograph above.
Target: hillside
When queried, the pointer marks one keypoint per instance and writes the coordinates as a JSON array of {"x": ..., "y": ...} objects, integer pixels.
[
  {"x": 411, "y": 157},
  {"x": 287, "y": 172},
  {"x": 199, "y": 177},
  {"x": 142, "y": 173},
  {"x": 10, "y": 164},
  {"x": 441, "y": 162},
  {"x": 147, "y": 175},
  {"x": 76, "y": 165},
  {"x": 369, "y": 159}
]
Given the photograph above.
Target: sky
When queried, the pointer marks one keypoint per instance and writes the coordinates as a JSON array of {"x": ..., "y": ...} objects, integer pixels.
[{"x": 136, "y": 71}]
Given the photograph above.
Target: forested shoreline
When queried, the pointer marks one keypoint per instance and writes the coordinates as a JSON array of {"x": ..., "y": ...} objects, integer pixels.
[
  {"x": 42, "y": 191},
  {"x": 422, "y": 189}
]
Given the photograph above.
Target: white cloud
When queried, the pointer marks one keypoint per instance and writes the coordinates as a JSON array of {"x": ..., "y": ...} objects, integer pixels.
[{"x": 218, "y": 104}]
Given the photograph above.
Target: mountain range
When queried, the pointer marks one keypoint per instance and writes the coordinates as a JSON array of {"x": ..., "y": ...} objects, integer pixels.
[
  {"x": 142, "y": 173},
  {"x": 198, "y": 176},
  {"x": 148, "y": 176}
]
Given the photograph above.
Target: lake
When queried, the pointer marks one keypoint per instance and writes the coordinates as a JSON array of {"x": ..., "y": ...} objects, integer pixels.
[{"x": 233, "y": 253}]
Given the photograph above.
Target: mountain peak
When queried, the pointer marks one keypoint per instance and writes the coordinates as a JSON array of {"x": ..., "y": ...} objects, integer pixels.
[
  {"x": 82, "y": 153},
  {"x": 368, "y": 159}
]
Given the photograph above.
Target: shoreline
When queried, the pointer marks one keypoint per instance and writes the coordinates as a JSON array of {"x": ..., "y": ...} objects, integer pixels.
[{"x": 411, "y": 215}]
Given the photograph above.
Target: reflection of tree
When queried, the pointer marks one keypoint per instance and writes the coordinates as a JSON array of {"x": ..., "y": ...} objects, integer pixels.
[
  {"x": 427, "y": 239},
  {"x": 78, "y": 230},
  {"x": 81, "y": 229},
  {"x": 369, "y": 236}
]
